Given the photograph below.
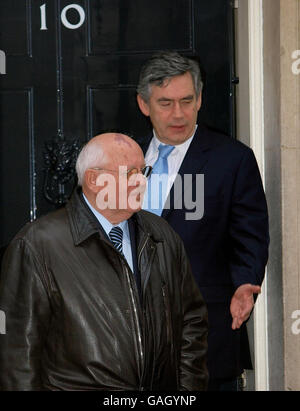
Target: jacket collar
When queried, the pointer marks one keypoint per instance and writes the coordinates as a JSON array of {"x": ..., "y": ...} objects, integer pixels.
[
  {"x": 83, "y": 223},
  {"x": 201, "y": 140},
  {"x": 194, "y": 160}
]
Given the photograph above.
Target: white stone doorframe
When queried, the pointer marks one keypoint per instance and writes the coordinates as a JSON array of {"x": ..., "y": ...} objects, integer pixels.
[{"x": 256, "y": 108}]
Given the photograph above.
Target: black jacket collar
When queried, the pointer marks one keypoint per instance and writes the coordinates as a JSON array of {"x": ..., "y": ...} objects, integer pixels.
[{"x": 84, "y": 224}]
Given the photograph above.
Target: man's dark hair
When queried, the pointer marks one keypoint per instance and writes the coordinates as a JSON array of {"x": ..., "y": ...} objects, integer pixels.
[{"x": 163, "y": 66}]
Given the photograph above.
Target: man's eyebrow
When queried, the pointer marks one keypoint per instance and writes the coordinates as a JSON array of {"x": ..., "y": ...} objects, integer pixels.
[
  {"x": 164, "y": 99},
  {"x": 189, "y": 97}
]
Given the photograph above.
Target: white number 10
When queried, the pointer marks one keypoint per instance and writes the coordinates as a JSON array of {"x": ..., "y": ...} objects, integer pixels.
[{"x": 63, "y": 17}]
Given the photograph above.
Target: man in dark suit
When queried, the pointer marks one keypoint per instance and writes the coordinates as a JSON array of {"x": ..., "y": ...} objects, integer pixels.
[{"x": 228, "y": 243}]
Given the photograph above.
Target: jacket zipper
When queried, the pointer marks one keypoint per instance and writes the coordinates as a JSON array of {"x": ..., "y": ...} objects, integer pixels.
[
  {"x": 136, "y": 317},
  {"x": 170, "y": 334},
  {"x": 150, "y": 261},
  {"x": 168, "y": 318},
  {"x": 143, "y": 292},
  {"x": 142, "y": 249}
]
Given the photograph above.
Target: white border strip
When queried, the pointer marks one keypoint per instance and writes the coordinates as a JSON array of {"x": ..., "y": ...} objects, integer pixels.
[{"x": 256, "y": 91}]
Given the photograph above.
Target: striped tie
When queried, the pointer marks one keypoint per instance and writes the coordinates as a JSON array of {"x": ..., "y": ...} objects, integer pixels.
[{"x": 116, "y": 237}]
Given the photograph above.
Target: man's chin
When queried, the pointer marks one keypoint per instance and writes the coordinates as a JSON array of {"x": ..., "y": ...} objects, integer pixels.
[
  {"x": 135, "y": 203},
  {"x": 131, "y": 210},
  {"x": 176, "y": 137},
  {"x": 135, "y": 209}
]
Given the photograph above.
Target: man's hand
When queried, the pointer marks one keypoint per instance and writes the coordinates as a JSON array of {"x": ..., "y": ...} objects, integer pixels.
[{"x": 242, "y": 303}]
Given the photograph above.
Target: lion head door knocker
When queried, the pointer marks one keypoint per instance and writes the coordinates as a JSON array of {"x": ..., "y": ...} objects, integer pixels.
[{"x": 60, "y": 159}]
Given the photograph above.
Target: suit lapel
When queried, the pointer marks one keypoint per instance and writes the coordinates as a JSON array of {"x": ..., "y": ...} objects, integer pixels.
[
  {"x": 145, "y": 143},
  {"x": 193, "y": 162}
]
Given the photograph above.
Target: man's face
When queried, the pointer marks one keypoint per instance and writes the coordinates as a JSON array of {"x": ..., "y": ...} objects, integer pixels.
[
  {"x": 173, "y": 109},
  {"x": 123, "y": 184},
  {"x": 131, "y": 184}
]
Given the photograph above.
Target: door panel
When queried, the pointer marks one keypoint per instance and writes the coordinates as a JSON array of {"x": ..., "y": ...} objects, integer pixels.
[
  {"x": 130, "y": 26},
  {"x": 15, "y": 169},
  {"x": 16, "y": 15}
]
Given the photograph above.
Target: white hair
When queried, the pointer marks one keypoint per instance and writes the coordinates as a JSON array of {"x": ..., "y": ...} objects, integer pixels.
[{"x": 91, "y": 155}]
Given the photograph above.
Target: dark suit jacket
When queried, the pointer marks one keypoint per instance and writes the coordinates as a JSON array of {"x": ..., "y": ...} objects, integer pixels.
[{"x": 228, "y": 246}]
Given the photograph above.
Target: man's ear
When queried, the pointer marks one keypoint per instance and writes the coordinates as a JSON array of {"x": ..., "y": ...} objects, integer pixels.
[
  {"x": 143, "y": 106},
  {"x": 90, "y": 179}
]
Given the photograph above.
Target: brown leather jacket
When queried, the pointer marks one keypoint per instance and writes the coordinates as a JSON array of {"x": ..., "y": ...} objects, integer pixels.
[{"x": 74, "y": 320}]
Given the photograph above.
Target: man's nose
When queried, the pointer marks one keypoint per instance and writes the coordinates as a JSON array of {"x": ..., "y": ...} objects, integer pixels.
[{"x": 177, "y": 110}]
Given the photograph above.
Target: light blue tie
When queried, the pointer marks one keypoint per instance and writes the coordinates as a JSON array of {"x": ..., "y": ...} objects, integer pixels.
[
  {"x": 158, "y": 181},
  {"x": 116, "y": 237}
]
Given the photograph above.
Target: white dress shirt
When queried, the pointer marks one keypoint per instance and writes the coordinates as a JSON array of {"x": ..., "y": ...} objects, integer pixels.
[
  {"x": 174, "y": 159},
  {"x": 107, "y": 226}
]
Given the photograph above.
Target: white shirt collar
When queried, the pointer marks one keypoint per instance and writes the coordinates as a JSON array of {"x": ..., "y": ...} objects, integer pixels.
[
  {"x": 178, "y": 148},
  {"x": 107, "y": 225}
]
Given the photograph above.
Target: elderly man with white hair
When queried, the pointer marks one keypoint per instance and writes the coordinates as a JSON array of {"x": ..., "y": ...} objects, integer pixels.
[{"x": 99, "y": 295}]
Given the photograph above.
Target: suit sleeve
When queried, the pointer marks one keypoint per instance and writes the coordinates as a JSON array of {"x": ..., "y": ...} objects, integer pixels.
[
  {"x": 25, "y": 304},
  {"x": 193, "y": 367},
  {"x": 249, "y": 231}
]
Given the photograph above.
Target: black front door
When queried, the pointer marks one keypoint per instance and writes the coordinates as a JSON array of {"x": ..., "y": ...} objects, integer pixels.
[{"x": 69, "y": 71}]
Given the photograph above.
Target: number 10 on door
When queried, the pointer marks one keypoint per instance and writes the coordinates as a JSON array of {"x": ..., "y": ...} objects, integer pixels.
[{"x": 63, "y": 17}]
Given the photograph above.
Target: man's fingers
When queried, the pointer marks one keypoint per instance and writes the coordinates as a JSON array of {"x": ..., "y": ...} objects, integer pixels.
[
  {"x": 238, "y": 320},
  {"x": 236, "y": 323},
  {"x": 242, "y": 303},
  {"x": 233, "y": 325},
  {"x": 256, "y": 289}
]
